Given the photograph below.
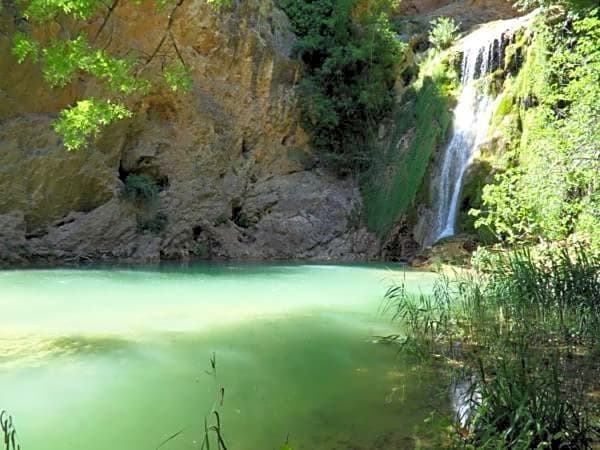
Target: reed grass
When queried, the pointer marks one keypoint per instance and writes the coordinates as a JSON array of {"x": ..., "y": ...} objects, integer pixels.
[
  {"x": 212, "y": 428},
  {"x": 524, "y": 331},
  {"x": 9, "y": 432}
]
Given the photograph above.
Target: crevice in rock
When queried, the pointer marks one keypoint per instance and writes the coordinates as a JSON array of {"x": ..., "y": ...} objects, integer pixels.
[
  {"x": 245, "y": 238},
  {"x": 123, "y": 173},
  {"x": 267, "y": 209},
  {"x": 35, "y": 234},
  {"x": 400, "y": 245},
  {"x": 162, "y": 181},
  {"x": 238, "y": 216},
  {"x": 65, "y": 221},
  {"x": 245, "y": 148},
  {"x": 196, "y": 232},
  {"x": 465, "y": 205}
]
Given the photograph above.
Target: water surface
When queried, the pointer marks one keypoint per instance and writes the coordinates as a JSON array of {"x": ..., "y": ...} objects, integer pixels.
[{"x": 117, "y": 359}]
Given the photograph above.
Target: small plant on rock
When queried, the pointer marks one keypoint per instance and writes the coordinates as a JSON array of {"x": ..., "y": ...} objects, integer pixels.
[
  {"x": 443, "y": 32},
  {"x": 201, "y": 250},
  {"x": 221, "y": 220},
  {"x": 140, "y": 188}
]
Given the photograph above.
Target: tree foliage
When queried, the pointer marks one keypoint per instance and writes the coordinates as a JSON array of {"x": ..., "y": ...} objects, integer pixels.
[
  {"x": 86, "y": 119},
  {"x": 75, "y": 51},
  {"x": 351, "y": 55},
  {"x": 569, "y": 4}
]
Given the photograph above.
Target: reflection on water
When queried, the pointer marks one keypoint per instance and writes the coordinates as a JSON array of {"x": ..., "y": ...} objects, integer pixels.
[
  {"x": 465, "y": 398},
  {"x": 116, "y": 359},
  {"x": 21, "y": 350}
]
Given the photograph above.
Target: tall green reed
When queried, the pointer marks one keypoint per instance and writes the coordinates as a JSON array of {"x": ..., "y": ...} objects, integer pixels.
[
  {"x": 9, "y": 432},
  {"x": 521, "y": 331},
  {"x": 212, "y": 427}
]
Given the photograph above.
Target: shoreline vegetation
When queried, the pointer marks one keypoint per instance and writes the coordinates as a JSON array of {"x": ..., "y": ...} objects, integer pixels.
[
  {"x": 518, "y": 337},
  {"x": 516, "y": 333}
]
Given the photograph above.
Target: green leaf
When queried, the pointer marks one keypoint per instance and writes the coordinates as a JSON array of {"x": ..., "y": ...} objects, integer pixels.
[
  {"x": 178, "y": 77},
  {"x": 86, "y": 119},
  {"x": 23, "y": 47}
]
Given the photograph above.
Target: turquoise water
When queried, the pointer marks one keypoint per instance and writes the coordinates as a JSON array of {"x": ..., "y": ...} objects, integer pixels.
[{"x": 120, "y": 358}]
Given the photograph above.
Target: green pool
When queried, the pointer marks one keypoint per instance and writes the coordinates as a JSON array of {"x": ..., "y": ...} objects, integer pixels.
[{"x": 118, "y": 358}]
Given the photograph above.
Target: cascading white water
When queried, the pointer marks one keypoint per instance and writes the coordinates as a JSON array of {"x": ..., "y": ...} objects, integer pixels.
[
  {"x": 483, "y": 52},
  {"x": 471, "y": 120}
]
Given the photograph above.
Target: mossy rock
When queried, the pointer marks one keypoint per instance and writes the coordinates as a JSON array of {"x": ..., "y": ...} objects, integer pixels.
[
  {"x": 479, "y": 174},
  {"x": 506, "y": 106}
]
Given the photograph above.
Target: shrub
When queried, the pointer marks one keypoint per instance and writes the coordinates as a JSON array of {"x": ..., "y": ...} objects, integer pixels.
[
  {"x": 351, "y": 55},
  {"x": 443, "y": 32},
  {"x": 140, "y": 188}
]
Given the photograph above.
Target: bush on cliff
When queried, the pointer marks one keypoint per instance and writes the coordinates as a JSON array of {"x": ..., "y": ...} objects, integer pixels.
[
  {"x": 140, "y": 188},
  {"x": 351, "y": 55},
  {"x": 443, "y": 32}
]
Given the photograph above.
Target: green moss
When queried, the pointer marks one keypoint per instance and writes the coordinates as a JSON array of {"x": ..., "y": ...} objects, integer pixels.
[
  {"x": 513, "y": 53},
  {"x": 532, "y": 80},
  {"x": 420, "y": 126},
  {"x": 506, "y": 106},
  {"x": 505, "y": 129}
]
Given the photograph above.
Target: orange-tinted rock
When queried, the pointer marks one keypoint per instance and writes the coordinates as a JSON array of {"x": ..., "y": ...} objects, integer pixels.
[{"x": 225, "y": 153}]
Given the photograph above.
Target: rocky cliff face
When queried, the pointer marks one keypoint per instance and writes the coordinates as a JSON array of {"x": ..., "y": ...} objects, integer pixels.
[
  {"x": 468, "y": 13},
  {"x": 236, "y": 174}
]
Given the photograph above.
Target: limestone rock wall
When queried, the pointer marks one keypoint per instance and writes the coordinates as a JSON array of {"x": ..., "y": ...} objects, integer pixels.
[
  {"x": 467, "y": 13},
  {"x": 236, "y": 173}
]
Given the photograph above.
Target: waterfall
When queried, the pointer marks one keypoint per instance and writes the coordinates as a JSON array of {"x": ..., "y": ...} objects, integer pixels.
[{"x": 483, "y": 52}]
